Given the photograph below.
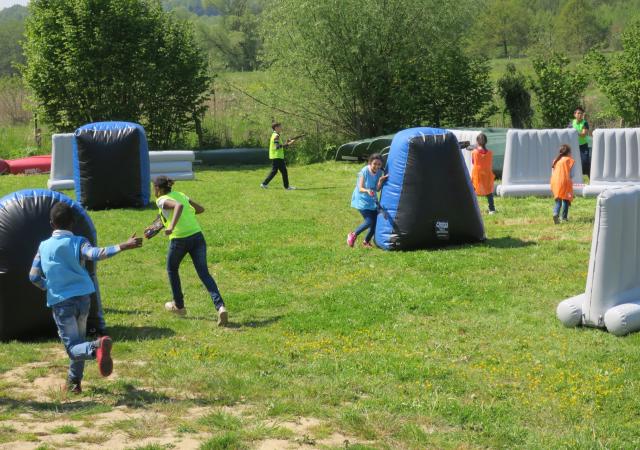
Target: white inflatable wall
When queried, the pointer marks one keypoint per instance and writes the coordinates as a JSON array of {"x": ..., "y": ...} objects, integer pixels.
[
  {"x": 612, "y": 296},
  {"x": 176, "y": 164},
  {"x": 61, "y": 175},
  {"x": 528, "y": 158},
  {"x": 615, "y": 159},
  {"x": 467, "y": 135}
]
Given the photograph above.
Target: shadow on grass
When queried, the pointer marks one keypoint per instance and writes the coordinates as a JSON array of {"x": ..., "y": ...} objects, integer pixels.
[
  {"x": 315, "y": 188},
  {"x": 57, "y": 407},
  {"x": 508, "y": 242},
  {"x": 239, "y": 325},
  {"x": 122, "y": 333},
  {"x": 131, "y": 396}
]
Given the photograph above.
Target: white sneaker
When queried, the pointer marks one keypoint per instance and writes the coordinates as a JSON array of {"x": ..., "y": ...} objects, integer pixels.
[
  {"x": 493, "y": 212},
  {"x": 171, "y": 307},
  {"x": 263, "y": 186},
  {"x": 291, "y": 188},
  {"x": 223, "y": 317}
]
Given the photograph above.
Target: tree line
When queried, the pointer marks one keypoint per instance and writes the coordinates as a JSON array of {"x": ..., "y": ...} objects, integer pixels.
[{"x": 359, "y": 67}]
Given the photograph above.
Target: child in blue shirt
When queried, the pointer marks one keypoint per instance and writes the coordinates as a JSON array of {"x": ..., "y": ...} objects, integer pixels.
[
  {"x": 370, "y": 180},
  {"x": 58, "y": 268}
]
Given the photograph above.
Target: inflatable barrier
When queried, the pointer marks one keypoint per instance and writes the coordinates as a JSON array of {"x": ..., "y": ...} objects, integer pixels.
[
  {"x": 27, "y": 166},
  {"x": 24, "y": 221},
  {"x": 615, "y": 159},
  {"x": 428, "y": 200},
  {"x": 612, "y": 295},
  {"x": 233, "y": 156},
  {"x": 176, "y": 164},
  {"x": 111, "y": 165},
  {"x": 528, "y": 158},
  {"x": 61, "y": 176}
]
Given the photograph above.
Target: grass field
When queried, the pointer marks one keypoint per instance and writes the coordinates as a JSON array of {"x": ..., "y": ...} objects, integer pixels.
[{"x": 333, "y": 347}]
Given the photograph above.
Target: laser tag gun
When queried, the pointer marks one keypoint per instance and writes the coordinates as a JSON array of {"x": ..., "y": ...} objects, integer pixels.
[
  {"x": 154, "y": 228},
  {"x": 465, "y": 145},
  {"x": 295, "y": 138}
]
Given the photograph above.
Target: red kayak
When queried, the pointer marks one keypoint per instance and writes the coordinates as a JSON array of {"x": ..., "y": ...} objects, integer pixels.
[{"x": 30, "y": 165}]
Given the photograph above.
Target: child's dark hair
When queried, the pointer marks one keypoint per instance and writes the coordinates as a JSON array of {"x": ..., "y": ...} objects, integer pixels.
[
  {"x": 481, "y": 139},
  {"x": 565, "y": 150},
  {"x": 374, "y": 156},
  {"x": 163, "y": 183},
  {"x": 61, "y": 216},
  {"x": 579, "y": 108},
  {"x": 274, "y": 125}
]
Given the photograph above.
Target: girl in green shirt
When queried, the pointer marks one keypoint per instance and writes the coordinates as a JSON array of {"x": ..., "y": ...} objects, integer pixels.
[{"x": 178, "y": 214}]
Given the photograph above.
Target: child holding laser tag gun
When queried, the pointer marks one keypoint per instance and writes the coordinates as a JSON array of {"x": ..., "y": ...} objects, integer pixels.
[
  {"x": 178, "y": 215},
  {"x": 364, "y": 198},
  {"x": 482, "y": 176}
]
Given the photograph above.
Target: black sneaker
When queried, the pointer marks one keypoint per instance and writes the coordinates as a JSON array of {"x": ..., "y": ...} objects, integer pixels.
[{"x": 73, "y": 386}]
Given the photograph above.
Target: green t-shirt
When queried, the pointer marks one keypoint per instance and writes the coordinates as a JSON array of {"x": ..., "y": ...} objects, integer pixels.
[
  {"x": 579, "y": 126},
  {"x": 187, "y": 223}
]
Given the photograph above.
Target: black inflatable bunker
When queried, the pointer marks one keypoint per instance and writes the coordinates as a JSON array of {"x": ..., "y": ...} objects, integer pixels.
[
  {"x": 24, "y": 223},
  {"x": 428, "y": 200},
  {"x": 111, "y": 165}
]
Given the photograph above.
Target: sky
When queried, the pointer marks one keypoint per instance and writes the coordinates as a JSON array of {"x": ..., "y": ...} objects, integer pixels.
[{"x": 7, "y": 3}]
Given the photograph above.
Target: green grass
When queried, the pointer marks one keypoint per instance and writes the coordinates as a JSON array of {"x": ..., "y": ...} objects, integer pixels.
[{"x": 450, "y": 348}]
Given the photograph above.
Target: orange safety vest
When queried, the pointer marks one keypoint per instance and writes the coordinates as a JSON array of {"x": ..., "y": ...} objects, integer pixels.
[
  {"x": 482, "y": 176},
  {"x": 561, "y": 182}
]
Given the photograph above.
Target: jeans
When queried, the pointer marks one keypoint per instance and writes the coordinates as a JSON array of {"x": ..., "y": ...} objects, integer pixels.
[
  {"x": 71, "y": 318},
  {"x": 278, "y": 164},
  {"x": 585, "y": 159},
  {"x": 370, "y": 216},
  {"x": 196, "y": 247},
  {"x": 565, "y": 210},
  {"x": 492, "y": 206}
]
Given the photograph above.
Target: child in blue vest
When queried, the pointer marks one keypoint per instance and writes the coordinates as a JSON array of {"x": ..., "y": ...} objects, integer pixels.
[
  {"x": 369, "y": 182},
  {"x": 58, "y": 268}
]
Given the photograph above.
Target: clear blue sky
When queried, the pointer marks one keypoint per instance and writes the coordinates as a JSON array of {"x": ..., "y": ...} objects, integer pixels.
[{"x": 7, "y": 3}]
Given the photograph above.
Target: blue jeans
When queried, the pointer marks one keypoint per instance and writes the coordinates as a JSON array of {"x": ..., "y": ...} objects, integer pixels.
[
  {"x": 370, "y": 216},
  {"x": 196, "y": 247},
  {"x": 71, "y": 318},
  {"x": 492, "y": 206},
  {"x": 565, "y": 210}
]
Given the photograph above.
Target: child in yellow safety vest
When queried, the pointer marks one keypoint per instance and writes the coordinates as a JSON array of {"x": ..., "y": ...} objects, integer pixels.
[
  {"x": 276, "y": 155},
  {"x": 562, "y": 183},
  {"x": 178, "y": 214},
  {"x": 482, "y": 176}
]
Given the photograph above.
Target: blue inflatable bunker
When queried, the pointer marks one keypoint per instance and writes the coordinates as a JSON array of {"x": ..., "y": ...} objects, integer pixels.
[
  {"x": 24, "y": 223},
  {"x": 428, "y": 200},
  {"x": 111, "y": 165}
]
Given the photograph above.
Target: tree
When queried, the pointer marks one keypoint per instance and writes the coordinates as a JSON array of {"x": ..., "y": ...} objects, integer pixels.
[
  {"x": 619, "y": 75},
  {"x": 94, "y": 60},
  {"x": 558, "y": 88},
  {"x": 502, "y": 24},
  {"x": 11, "y": 31},
  {"x": 372, "y": 67},
  {"x": 512, "y": 87},
  {"x": 578, "y": 28}
]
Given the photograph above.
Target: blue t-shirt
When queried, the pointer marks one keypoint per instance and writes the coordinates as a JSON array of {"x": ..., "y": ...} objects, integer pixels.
[{"x": 362, "y": 200}]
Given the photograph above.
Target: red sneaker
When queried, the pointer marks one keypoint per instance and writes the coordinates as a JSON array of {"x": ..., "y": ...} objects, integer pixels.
[
  {"x": 351, "y": 239},
  {"x": 103, "y": 355}
]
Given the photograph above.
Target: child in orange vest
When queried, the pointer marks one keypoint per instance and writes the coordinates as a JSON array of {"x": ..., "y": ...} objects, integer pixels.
[
  {"x": 482, "y": 176},
  {"x": 561, "y": 183}
]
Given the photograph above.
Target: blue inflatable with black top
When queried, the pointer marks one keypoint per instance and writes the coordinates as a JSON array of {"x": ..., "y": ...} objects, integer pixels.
[
  {"x": 111, "y": 165},
  {"x": 428, "y": 200},
  {"x": 24, "y": 223}
]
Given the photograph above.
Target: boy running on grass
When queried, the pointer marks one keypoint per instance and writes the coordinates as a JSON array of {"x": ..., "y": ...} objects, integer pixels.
[{"x": 58, "y": 268}]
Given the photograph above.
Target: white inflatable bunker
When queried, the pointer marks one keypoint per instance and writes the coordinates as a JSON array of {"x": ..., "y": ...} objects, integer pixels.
[
  {"x": 61, "y": 175},
  {"x": 176, "y": 164},
  {"x": 612, "y": 296},
  {"x": 528, "y": 158},
  {"x": 466, "y": 135},
  {"x": 615, "y": 159}
]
